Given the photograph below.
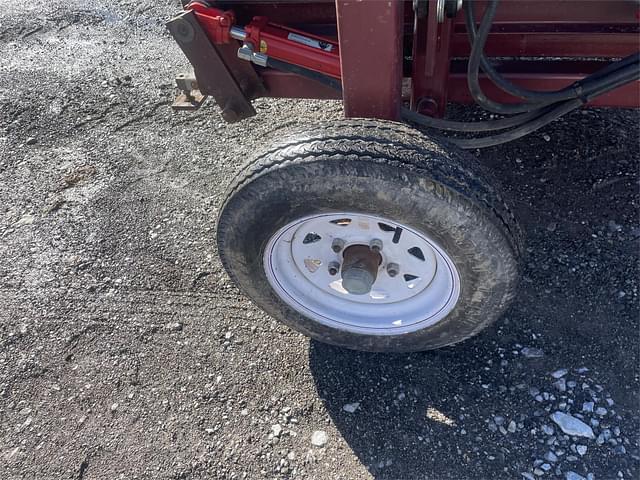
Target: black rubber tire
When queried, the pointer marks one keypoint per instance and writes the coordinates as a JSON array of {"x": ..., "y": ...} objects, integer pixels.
[{"x": 386, "y": 169}]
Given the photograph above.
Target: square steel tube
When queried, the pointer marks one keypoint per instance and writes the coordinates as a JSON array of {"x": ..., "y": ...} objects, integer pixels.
[{"x": 370, "y": 35}]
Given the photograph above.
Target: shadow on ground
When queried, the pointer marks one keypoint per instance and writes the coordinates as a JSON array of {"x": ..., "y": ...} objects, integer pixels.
[{"x": 430, "y": 415}]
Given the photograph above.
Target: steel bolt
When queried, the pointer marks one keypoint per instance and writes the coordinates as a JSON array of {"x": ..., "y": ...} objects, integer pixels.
[
  {"x": 334, "y": 268},
  {"x": 375, "y": 245},
  {"x": 393, "y": 269},
  {"x": 337, "y": 245}
]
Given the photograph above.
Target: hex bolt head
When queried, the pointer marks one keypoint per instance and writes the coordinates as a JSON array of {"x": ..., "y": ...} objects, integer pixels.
[
  {"x": 334, "y": 268},
  {"x": 393, "y": 269},
  {"x": 375, "y": 245},
  {"x": 337, "y": 245}
]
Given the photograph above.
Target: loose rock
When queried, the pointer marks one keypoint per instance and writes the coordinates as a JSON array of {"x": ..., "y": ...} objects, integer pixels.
[
  {"x": 531, "y": 352},
  {"x": 559, "y": 373},
  {"x": 573, "y": 476},
  {"x": 571, "y": 425},
  {"x": 319, "y": 438},
  {"x": 351, "y": 407}
]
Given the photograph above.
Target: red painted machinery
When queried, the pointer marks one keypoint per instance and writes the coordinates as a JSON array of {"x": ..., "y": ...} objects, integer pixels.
[{"x": 369, "y": 234}]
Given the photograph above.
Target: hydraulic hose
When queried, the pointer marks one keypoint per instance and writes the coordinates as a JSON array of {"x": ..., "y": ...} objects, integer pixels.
[
  {"x": 305, "y": 72},
  {"x": 480, "y": 126},
  {"x": 541, "y": 97},
  {"x": 594, "y": 82},
  {"x": 504, "y": 84},
  {"x": 628, "y": 74},
  {"x": 473, "y": 68}
]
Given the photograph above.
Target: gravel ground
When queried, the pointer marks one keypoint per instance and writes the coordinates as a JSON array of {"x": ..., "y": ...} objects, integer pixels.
[{"x": 127, "y": 353}]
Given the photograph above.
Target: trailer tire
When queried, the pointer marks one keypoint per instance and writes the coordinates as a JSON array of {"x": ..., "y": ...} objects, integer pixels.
[{"x": 440, "y": 196}]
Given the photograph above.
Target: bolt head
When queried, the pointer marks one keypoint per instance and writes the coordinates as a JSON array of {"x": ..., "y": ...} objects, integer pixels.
[
  {"x": 334, "y": 268},
  {"x": 393, "y": 269},
  {"x": 337, "y": 245},
  {"x": 375, "y": 245}
]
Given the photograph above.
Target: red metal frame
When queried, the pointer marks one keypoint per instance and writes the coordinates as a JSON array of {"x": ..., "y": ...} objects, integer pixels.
[
  {"x": 371, "y": 64},
  {"x": 374, "y": 36}
]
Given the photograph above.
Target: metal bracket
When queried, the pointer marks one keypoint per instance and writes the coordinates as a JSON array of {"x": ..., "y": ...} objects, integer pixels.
[
  {"x": 218, "y": 71},
  {"x": 191, "y": 97}
]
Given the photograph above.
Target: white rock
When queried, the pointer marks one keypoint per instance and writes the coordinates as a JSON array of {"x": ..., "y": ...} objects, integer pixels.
[
  {"x": 319, "y": 438},
  {"x": 601, "y": 411},
  {"x": 351, "y": 407},
  {"x": 561, "y": 385},
  {"x": 581, "y": 449},
  {"x": 26, "y": 220},
  {"x": 559, "y": 373},
  {"x": 531, "y": 352},
  {"x": 572, "y": 426},
  {"x": 587, "y": 406},
  {"x": 573, "y": 476},
  {"x": 276, "y": 429}
]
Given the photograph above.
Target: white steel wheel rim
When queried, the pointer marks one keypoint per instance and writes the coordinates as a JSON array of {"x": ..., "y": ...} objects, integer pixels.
[{"x": 296, "y": 262}]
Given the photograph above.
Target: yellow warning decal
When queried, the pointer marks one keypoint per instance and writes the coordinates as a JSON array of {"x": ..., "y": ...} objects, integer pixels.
[{"x": 263, "y": 46}]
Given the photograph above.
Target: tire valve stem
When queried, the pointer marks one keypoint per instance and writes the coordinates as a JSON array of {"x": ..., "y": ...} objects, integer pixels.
[
  {"x": 337, "y": 245},
  {"x": 393, "y": 269},
  {"x": 334, "y": 268},
  {"x": 375, "y": 245}
]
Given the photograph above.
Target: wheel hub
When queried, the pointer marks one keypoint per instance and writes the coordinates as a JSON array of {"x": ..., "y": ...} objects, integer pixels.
[
  {"x": 360, "y": 269},
  {"x": 361, "y": 273}
]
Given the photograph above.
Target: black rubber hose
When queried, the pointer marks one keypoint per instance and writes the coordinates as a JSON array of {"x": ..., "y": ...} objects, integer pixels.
[
  {"x": 595, "y": 81},
  {"x": 504, "y": 84},
  {"x": 544, "y": 119},
  {"x": 628, "y": 74},
  {"x": 569, "y": 92},
  {"x": 480, "y": 126},
  {"x": 473, "y": 69},
  {"x": 614, "y": 80},
  {"x": 305, "y": 72},
  {"x": 613, "y": 66}
]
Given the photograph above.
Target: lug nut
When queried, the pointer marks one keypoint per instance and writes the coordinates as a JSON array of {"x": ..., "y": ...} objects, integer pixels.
[
  {"x": 393, "y": 269},
  {"x": 375, "y": 245},
  {"x": 337, "y": 245},
  {"x": 334, "y": 268}
]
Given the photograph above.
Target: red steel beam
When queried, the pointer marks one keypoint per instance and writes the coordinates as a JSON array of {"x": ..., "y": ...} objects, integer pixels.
[
  {"x": 370, "y": 36},
  {"x": 583, "y": 12},
  {"x": 600, "y": 44}
]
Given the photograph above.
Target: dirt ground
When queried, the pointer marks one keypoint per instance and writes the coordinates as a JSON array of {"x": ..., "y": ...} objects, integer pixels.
[{"x": 126, "y": 352}]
